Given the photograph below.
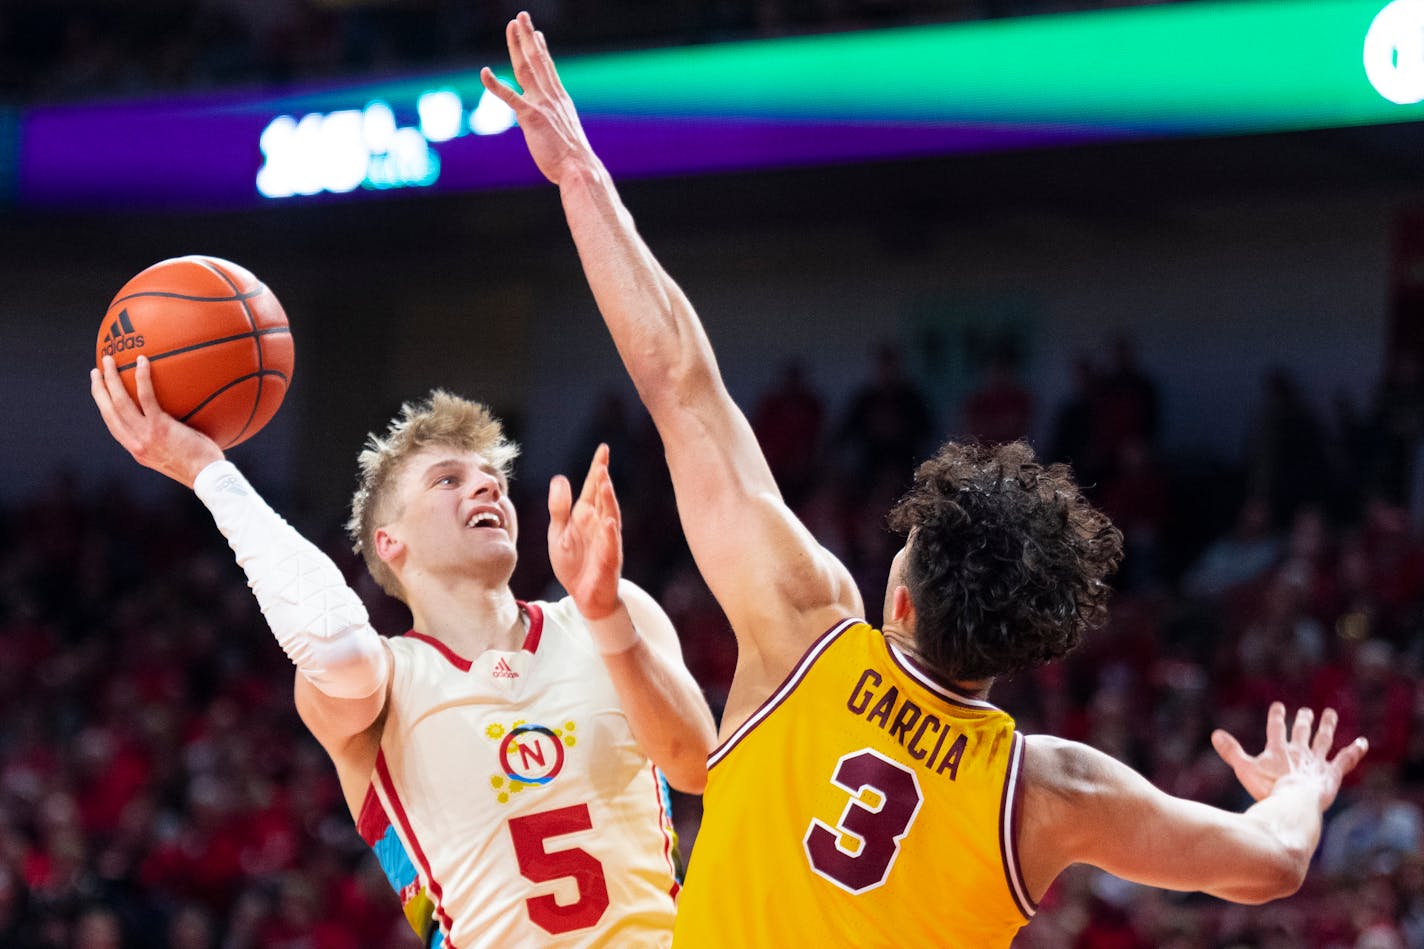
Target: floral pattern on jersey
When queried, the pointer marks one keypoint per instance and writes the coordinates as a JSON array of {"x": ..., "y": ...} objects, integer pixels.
[{"x": 530, "y": 755}]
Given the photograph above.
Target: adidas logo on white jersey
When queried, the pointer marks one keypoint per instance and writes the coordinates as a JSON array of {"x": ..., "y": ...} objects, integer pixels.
[{"x": 502, "y": 670}]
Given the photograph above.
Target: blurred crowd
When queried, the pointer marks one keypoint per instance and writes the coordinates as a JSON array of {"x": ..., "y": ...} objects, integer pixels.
[
  {"x": 158, "y": 792},
  {"x": 60, "y": 50}
]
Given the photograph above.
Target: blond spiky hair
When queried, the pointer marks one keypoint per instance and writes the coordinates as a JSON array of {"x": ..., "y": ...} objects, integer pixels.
[{"x": 442, "y": 419}]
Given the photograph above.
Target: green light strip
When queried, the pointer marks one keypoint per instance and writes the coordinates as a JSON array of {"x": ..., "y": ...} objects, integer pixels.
[
  {"x": 1239, "y": 66},
  {"x": 1247, "y": 66}
]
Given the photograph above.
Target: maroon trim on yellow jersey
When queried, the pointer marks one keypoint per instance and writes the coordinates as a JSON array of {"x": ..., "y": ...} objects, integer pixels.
[
  {"x": 787, "y": 685},
  {"x": 1009, "y": 806},
  {"x": 912, "y": 668}
]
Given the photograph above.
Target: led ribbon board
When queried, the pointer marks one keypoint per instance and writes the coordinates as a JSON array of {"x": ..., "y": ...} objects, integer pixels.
[{"x": 1188, "y": 69}]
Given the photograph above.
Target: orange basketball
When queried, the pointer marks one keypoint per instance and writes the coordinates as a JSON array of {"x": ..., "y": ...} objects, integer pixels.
[{"x": 217, "y": 340}]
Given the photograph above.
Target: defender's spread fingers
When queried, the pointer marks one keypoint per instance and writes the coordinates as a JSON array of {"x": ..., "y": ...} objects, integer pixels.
[
  {"x": 1325, "y": 734},
  {"x": 1276, "y": 724},
  {"x": 1304, "y": 719}
]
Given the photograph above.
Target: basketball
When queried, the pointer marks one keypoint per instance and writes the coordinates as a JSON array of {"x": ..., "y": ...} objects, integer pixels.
[{"x": 216, "y": 338}]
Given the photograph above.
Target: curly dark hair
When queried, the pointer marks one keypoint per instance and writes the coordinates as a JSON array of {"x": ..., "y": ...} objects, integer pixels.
[{"x": 1007, "y": 560}]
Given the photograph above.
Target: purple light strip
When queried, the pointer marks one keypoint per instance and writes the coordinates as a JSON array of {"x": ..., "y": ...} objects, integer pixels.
[{"x": 188, "y": 158}]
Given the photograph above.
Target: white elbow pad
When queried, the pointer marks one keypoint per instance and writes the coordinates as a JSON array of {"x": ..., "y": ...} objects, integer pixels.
[{"x": 318, "y": 620}]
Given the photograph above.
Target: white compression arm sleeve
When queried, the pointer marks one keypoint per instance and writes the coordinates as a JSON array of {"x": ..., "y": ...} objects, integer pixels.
[{"x": 318, "y": 620}]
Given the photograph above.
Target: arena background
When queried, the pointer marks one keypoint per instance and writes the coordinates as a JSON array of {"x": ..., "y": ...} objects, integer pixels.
[{"x": 1225, "y": 264}]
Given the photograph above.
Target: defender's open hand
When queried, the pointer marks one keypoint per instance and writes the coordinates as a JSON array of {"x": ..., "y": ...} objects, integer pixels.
[
  {"x": 545, "y": 112},
  {"x": 1296, "y": 756}
]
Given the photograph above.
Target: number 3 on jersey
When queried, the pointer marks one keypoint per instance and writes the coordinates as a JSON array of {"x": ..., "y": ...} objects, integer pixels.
[
  {"x": 858, "y": 852},
  {"x": 540, "y": 865}
]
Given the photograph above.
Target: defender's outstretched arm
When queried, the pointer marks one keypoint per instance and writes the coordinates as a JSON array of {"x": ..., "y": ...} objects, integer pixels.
[
  {"x": 778, "y": 586},
  {"x": 1082, "y": 806}
]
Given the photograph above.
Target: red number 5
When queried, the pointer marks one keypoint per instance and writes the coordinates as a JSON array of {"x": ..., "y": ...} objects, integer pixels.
[
  {"x": 858, "y": 852},
  {"x": 540, "y": 866}
]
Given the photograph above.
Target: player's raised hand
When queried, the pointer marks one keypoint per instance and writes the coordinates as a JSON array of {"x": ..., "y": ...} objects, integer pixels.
[
  {"x": 1295, "y": 756},
  {"x": 546, "y": 114},
  {"x": 156, "y": 439},
  {"x": 586, "y": 539}
]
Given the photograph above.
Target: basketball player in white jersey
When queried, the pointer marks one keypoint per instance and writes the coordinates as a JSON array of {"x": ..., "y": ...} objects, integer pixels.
[{"x": 503, "y": 759}]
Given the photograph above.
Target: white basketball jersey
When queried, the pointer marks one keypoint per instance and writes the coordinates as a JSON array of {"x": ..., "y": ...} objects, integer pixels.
[{"x": 510, "y": 801}]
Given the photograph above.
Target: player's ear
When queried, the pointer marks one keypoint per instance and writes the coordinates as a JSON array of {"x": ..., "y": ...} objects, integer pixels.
[
  {"x": 902, "y": 611},
  {"x": 388, "y": 546}
]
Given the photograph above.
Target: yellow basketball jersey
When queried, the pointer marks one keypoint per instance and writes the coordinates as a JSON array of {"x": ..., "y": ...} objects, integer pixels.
[{"x": 862, "y": 805}]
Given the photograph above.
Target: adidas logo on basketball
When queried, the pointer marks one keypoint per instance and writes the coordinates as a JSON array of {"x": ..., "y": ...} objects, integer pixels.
[
  {"x": 502, "y": 670},
  {"x": 121, "y": 336}
]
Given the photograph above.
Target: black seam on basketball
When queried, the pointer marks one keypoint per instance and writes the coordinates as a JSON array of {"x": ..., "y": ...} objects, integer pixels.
[
  {"x": 213, "y": 395},
  {"x": 267, "y": 331},
  {"x": 252, "y": 321},
  {"x": 244, "y": 295}
]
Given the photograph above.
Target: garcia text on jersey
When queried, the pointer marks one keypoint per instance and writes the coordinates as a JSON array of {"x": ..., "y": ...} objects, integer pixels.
[{"x": 922, "y": 733}]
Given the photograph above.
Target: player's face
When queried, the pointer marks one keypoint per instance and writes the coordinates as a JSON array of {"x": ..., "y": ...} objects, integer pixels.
[{"x": 455, "y": 511}]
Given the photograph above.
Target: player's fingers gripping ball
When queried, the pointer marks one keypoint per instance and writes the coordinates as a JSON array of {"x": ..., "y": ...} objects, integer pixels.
[{"x": 216, "y": 338}]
